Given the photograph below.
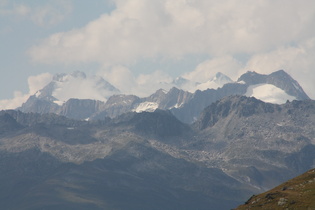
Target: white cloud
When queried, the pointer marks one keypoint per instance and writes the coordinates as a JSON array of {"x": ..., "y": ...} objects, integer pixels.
[
  {"x": 48, "y": 15},
  {"x": 79, "y": 86},
  {"x": 37, "y": 82},
  {"x": 272, "y": 33},
  {"x": 149, "y": 83},
  {"x": 52, "y": 13},
  {"x": 144, "y": 79},
  {"x": 75, "y": 85},
  {"x": 21, "y": 10},
  {"x": 34, "y": 83},
  {"x": 207, "y": 69},
  {"x": 143, "y": 85},
  {"x": 18, "y": 99},
  {"x": 14, "y": 9},
  {"x": 120, "y": 77},
  {"x": 143, "y": 28}
]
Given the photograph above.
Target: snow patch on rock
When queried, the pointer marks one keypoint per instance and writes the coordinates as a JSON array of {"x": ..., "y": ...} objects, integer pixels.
[
  {"x": 268, "y": 93},
  {"x": 146, "y": 107}
]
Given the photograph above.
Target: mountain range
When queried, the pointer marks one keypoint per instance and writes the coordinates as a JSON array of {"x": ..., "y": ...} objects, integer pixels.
[
  {"x": 238, "y": 146},
  {"x": 65, "y": 95},
  {"x": 79, "y": 143}
]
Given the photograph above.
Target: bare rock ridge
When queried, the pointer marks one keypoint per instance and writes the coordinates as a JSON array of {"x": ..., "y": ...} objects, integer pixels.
[
  {"x": 241, "y": 106},
  {"x": 159, "y": 123},
  {"x": 257, "y": 142}
]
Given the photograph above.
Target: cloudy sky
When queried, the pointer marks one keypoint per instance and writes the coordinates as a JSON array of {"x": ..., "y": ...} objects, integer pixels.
[{"x": 133, "y": 43}]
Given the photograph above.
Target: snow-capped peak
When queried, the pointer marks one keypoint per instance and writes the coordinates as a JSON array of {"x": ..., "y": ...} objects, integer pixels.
[
  {"x": 179, "y": 81},
  {"x": 221, "y": 79},
  {"x": 279, "y": 79},
  {"x": 185, "y": 84},
  {"x": 66, "y": 77},
  {"x": 77, "y": 85},
  {"x": 218, "y": 80},
  {"x": 215, "y": 82}
]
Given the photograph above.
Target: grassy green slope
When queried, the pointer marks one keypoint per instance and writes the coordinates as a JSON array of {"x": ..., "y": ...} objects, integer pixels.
[{"x": 297, "y": 193}]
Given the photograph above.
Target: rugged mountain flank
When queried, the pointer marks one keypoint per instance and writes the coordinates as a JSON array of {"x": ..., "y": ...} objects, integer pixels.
[
  {"x": 257, "y": 142},
  {"x": 51, "y": 162},
  {"x": 239, "y": 146},
  {"x": 240, "y": 106}
]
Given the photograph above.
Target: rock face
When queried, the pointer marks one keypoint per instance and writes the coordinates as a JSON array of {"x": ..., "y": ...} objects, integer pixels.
[
  {"x": 191, "y": 110},
  {"x": 116, "y": 105},
  {"x": 257, "y": 142},
  {"x": 187, "y": 107},
  {"x": 38, "y": 105},
  {"x": 240, "y": 106},
  {"x": 8, "y": 124},
  {"x": 161, "y": 124},
  {"x": 51, "y": 162},
  {"x": 238, "y": 147},
  {"x": 297, "y": 193},
  {"x": 80, "y": 109}
]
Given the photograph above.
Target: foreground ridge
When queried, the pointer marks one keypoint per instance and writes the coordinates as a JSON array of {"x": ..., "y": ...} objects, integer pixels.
[{"x": 297, "y": 193}]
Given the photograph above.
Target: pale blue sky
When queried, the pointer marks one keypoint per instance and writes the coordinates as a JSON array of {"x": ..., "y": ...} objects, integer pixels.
[
  {"x": 171, "y": 37},
  {"x": 19, "y": 32}
]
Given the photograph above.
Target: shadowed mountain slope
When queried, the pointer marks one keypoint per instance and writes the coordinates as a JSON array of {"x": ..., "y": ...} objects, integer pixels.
[{"x": 238, "y": 147}]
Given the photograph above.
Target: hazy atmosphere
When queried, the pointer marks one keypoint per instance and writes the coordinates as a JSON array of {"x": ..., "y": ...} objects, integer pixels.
[
  {"x": 157, "y": 104},
  {"x": 137, "y": 45}
]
